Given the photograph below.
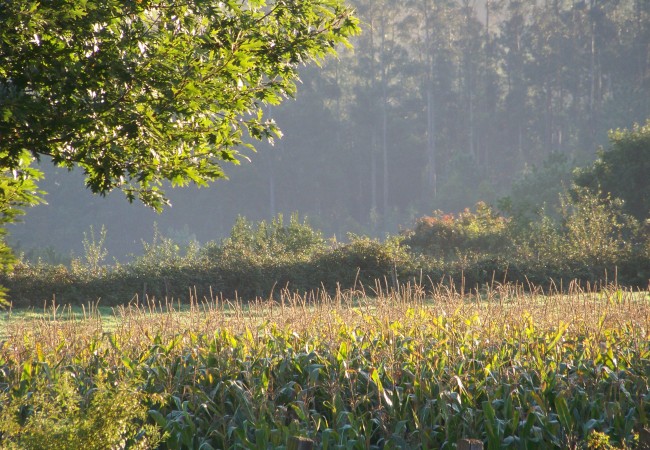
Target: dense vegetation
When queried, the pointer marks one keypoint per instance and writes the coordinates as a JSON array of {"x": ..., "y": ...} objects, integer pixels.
[
  {"x": 443, "y": 103},
  {"x": 591, "y": 240},
  {"x": 414, "y": 368},
  {"x": 591, "y": 236}
]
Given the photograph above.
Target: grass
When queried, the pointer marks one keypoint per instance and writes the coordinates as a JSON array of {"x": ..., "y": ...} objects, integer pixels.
[{"x": 374, "y": 368}]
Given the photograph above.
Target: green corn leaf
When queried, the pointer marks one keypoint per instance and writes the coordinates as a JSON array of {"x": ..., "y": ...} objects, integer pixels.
[
  {"x": 492, "y": 426},
  {"x": 563, "y": 414},
  {"x": 158, "y": 418}
]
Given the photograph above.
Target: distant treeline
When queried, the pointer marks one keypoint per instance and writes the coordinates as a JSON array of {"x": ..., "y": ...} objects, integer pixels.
[{"x": 443, "y": 103}]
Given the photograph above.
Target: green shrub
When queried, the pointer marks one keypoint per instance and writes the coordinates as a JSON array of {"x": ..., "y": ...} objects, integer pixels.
[
  {"x": 362, "y": 261},
  {"x": 447, "y": 235},
  {"x": 165, "y": 253},
  {"x": 596, "y": 228},
  {"x": 59, "y": 414},
  {"x": 622, "y": 170},
  {"x": 591, "y": 230},
  {"x": 268, "y": 241},
  {"x": 95, "y": 253}
]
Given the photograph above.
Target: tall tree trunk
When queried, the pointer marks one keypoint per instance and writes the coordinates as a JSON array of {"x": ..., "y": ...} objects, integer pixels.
[
  {"x": 384, "y": 122},
  {"x": 469, "y": 81},
  {"x": 431, "y": 175},
  {"x": 384, "y": 148},
  {"x": 373, "y": 173},
  {"x": 592, "y": 77},
  {"x": 271, "y": 175},
  {"x": 488, "y": 102},
  {"x": 431, "y": 144}
]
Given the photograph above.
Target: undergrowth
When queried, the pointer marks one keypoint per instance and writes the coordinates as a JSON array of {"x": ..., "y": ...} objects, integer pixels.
[{"x": 591, "y": 240}]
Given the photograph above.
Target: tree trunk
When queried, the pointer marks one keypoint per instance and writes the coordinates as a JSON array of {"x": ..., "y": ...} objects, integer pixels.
[
  {"x": 271, "y": 174},
  {"x": 431, "y": 145},
  {"x": 384, "y": 124}
]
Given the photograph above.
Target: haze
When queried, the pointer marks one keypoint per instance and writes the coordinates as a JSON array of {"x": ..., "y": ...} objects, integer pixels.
[{"x": 440, "y": 105}]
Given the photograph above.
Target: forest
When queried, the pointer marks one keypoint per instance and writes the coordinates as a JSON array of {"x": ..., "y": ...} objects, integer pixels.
[{"x": 440, "y": 104}]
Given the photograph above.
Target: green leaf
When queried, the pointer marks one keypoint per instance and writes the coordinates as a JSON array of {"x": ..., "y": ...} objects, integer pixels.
[
  {"x": 491, "y": 426},
  {"x": 563, "y": 413},
  {"x": 158, "y": 418}
]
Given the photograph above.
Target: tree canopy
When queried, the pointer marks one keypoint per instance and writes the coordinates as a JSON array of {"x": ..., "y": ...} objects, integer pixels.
[
  {"x": 623, "y": 170},
  {"x": 136, "y": 92}
]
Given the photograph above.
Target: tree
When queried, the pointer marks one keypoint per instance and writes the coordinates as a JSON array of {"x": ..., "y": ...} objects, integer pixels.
[
  {"x": 138, "y": 92},
  {"x": 18, "y": 190},
  {"x": 622, "y": 170}
]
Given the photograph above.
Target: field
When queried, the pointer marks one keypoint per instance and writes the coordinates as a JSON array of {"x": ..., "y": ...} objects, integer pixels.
[{"x": 410, "y": 368}]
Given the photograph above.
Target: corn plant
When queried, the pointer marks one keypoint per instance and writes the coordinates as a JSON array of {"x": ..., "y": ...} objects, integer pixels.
[{"x": 408, "y": 368}]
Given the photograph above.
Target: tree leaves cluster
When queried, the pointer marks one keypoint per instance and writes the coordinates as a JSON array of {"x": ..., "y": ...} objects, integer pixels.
[
  {"x": 18, "y": 190},
  {"x": 138, "y": 92},
  {"x": 622, "y": 170}
]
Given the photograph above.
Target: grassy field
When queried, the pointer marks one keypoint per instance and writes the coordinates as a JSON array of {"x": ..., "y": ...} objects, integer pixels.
[{"x": 413, "y": 368}]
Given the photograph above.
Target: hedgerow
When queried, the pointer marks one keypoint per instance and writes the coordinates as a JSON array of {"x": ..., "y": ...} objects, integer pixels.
[{"x": 592, "y": 241}]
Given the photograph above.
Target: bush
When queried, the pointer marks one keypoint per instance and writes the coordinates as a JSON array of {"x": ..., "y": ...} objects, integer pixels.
[
  {"x": 446, "y": 235},
  {"x": 60, "y": 414},
  {"x": 362, "y": 261},
  {"x": 269, "y": 241},
  {"x": 591, "y": 240},
  {"x": 622, "y": 170},
  {"x": 591, "y": 230}
]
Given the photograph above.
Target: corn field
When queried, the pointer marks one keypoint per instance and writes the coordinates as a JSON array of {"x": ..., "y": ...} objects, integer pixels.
[{"x": 414, "y": 368}]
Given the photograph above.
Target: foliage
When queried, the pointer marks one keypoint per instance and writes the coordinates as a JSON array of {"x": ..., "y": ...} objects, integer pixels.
[
  {"x": 596, "y": 229},
  {"x": 63, "y": 413},
  {"x": 140, "y": 92},
  {"x": 539, "y": 187},
  {"x": 94, "y": 253},
  {"x": 591, "y": 230},
  {"x": 18, "y": 190},
  {"x": 363, "y": 262},
  {"x": 165, "y": 252},
  {"x": 394, "y": 372},
  {"x": 267, "y": 241},
  {"x": 447, "y": 235},
  {"x": 598, "y": 440},
  {"x": 622, "y": 170}
]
